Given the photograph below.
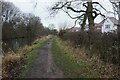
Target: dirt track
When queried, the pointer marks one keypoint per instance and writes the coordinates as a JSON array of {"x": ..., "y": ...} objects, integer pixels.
[{"x": 44, "y": 66}]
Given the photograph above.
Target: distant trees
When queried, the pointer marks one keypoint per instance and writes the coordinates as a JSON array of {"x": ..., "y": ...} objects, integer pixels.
[
  {"x": 9, "y": 17},
  {"x": 54, "y": 32},
  {"x": 7, "y": 31},
  {"x": 17, "y": 24}
]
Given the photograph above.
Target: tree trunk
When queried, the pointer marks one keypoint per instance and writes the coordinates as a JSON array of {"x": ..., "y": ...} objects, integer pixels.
[
  {"x": 91, "y": 24},
  {"x": 90, "y": 16},
  {"x": 84, "y": 22}
]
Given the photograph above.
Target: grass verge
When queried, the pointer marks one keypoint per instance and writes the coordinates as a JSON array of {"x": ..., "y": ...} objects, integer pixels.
[
  {"x": 68, "y": 64},
  {"x": 76, "y": 64}
]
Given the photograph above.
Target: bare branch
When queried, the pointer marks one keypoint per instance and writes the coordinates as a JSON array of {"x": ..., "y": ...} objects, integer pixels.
[
  {"x": 75, "y": 10},
  {"x": 84, "y": 14},
  {"x": 75, "y": 22},
  {"x": 96, "y": 14},
  {"x": 99, "y": 5},
  {"x": 56, "y": 6},
  {"x": 85, "y": 5},
  {"x": 73, "y": 17},
  {"x": 102, "y": 7},
  {"x": 115, "y": 6}
]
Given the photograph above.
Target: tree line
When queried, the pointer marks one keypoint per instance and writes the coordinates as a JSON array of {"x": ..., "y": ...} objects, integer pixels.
[{"x": 17, "y": 24}]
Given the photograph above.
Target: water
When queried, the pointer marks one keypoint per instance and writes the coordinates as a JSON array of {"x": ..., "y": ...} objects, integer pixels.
[{"x": 15, "y": 44}]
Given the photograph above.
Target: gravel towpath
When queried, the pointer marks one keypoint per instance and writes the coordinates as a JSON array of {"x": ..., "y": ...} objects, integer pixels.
[{"x": 44, "y": 65}]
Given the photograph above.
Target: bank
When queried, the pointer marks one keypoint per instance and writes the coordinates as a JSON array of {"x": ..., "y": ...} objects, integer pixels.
[
  {"x": 75, "y": 63},
  {"x": 18, "y": 64}
]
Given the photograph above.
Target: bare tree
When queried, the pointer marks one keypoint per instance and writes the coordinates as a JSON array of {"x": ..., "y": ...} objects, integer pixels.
[
  {"x": 116, "y": 7},
  {"x": 51, "y": 26},
  {"x": 87, "y": 11},
  {"x": 9, "y": 11}
]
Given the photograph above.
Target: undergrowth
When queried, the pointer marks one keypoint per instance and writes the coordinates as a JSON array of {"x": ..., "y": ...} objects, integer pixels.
[
  {"x": 17, "y": 64},
  {"x": 75, "y": 63}
]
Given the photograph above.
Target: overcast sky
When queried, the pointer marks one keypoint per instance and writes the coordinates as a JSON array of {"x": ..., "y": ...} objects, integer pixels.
[{"x": 41, "y": 10}]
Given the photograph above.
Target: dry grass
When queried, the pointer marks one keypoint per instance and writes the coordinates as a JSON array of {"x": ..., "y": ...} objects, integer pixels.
[
  {"x": 104, "y": 70},
  {"x": 11, "y": 62}
]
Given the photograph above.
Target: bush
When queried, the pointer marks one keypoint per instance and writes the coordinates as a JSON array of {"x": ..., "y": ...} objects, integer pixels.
[{"x": 105, "y": 45}]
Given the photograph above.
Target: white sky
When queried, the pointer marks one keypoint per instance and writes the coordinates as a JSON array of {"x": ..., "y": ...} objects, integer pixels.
[{"x": 27, "y": 6}]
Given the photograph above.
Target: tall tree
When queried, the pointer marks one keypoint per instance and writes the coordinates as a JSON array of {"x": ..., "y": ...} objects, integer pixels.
[{"x": 87, "y": 11}]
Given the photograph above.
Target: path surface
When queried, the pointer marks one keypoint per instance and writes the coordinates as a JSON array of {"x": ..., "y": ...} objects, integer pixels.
[{"x": 44, "y": 66}]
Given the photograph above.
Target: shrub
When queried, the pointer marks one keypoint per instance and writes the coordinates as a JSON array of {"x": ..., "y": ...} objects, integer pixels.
[{"x": 105, "y": 45}]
